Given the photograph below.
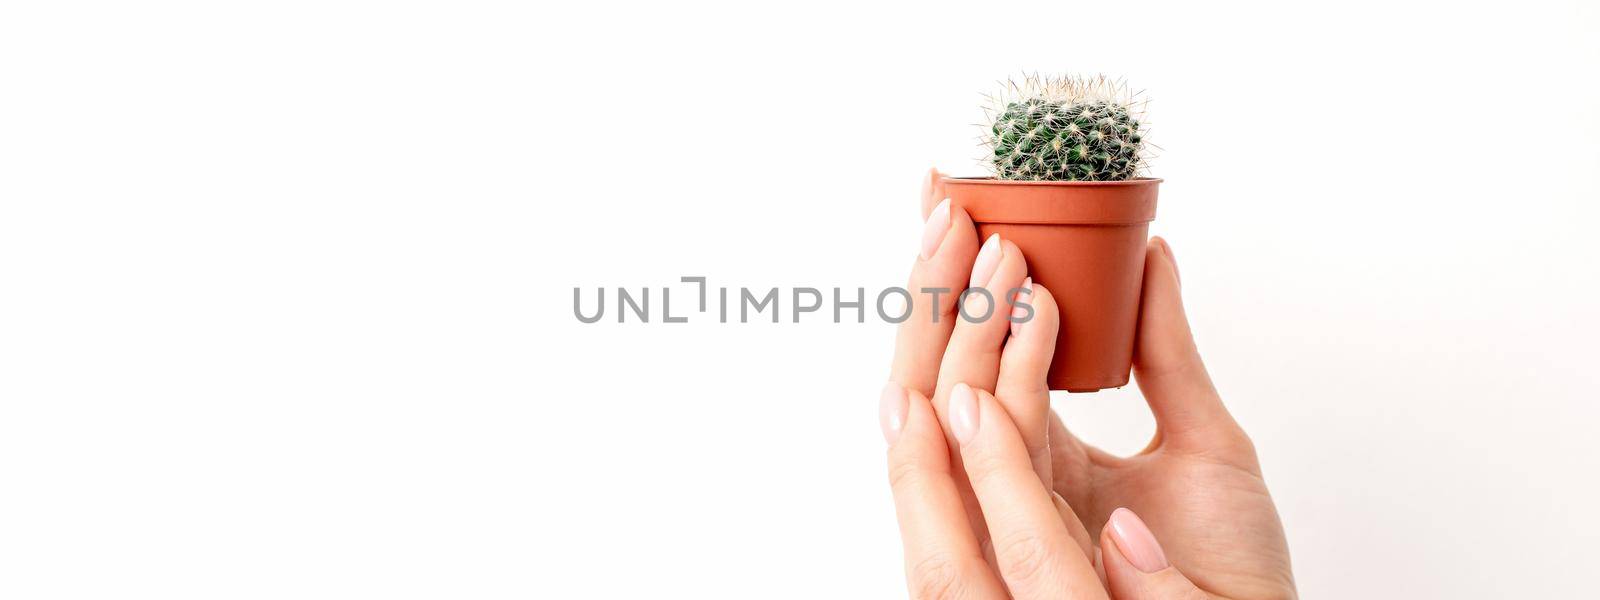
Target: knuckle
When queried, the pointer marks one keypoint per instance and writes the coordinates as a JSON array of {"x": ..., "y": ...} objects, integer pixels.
[
  {"x": 1238, "y": 446},
  {"x": 937, "y": 577},
  {"x": 929, "y": 309},
  {"x": 1245, "y": 445},
  {"x": 1024, "y": 556},
  {"x": 909, "y": 473},
  {"x": 984, "y": 467}
]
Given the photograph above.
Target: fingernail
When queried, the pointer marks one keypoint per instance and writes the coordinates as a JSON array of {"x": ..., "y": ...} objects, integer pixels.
[
  {"x": 963, "y": 413},
  {"x": 1167, "y": 248},
  {"x": 892, "y": 411},
  {"x": 988, "y": 261},
  {"x": 933, "y": 232},
  {"x": 1136, "y": 542},
  {"x": 1016, "y": 311}
]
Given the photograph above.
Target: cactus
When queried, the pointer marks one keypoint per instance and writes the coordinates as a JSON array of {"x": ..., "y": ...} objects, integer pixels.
[{"x": 1065, "y": 129}]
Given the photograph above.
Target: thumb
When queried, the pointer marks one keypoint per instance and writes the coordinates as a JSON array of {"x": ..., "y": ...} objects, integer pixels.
[
  {"x": 1136, "y": 567},
  {"x": 1174, "y": 381}
]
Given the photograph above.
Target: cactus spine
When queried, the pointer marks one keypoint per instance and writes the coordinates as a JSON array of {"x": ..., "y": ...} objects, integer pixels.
[{"x": 1065, "y": 129}]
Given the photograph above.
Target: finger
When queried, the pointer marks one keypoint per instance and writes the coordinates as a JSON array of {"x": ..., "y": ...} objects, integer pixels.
[
  {"x": 942, "y": 557},
  {"x": 943, "y": 267},
  {"x": 1075, "y": 527},
  {"x": 1174, "y": 381},
  {"x": 932, "y": 191},
  {"x": 1070, "y": 462},
  {"x": 1035, "y": 555},
  {"x": 1135, "y": 566},
  {"x": 1024, "y": 363},
  {"x": 973, "y": 354},
  {"x": 1100, "y": 567}
]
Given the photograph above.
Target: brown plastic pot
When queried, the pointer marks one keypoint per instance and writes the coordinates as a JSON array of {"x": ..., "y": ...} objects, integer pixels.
[{"x": 1085, "y": 242}]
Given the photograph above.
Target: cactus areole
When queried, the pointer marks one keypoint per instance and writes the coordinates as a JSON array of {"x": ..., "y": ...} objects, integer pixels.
[
  {"x": 1066, "y": 156},
  {"x": 1065, "y": 129}
]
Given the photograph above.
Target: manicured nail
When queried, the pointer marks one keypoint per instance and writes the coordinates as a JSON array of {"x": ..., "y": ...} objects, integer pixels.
[
  {"x": 963, "y": 413},
  {"x": 933, "y": 232},
  {"x": 1136, "y": 542},
  {"x": 988, "y": 261},
  {"x": 1017, "y": 312},
  {"x": 1167, "y": 249},
  {"x": 892, "y": 411}
]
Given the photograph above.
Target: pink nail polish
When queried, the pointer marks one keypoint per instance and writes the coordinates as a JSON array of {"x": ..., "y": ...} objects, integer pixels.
[
  {"x": 988, "y": 261},
  {"x": 963, "y": 413},
  {"x": 934, "y": 231},
  {"x": 1018, "y": 312},
  {"x": 892, "y": 408},
  {"x": 1136, "y": 542}
]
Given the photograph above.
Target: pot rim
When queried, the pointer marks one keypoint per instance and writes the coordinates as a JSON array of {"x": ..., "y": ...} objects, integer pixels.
[
  {"x": 993, "y": 181},
  {"x": 989, "y": 200}
]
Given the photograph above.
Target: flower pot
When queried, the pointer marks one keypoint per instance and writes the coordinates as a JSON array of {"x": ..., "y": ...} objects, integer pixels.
[{"x": 1085, "y": 242}]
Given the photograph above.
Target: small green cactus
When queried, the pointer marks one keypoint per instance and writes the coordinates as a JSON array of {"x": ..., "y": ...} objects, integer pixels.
[{"x": 1065, "y": 129}]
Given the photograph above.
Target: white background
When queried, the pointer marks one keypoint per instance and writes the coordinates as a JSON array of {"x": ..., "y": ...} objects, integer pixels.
[{"x": 286, "y": 288}]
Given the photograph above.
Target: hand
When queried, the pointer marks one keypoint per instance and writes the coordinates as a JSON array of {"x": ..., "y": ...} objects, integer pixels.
[{"x": 974, "y": 525}]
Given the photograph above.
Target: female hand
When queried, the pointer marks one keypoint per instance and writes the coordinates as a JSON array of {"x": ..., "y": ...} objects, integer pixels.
[{"x": 995, "y": 496}]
